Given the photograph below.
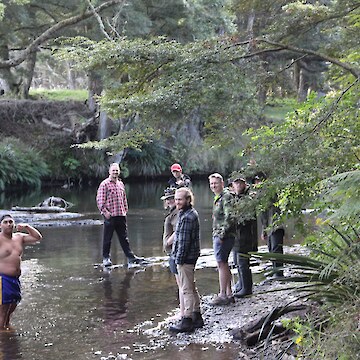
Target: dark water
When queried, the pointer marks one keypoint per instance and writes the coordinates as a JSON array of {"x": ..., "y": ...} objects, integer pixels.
[{"x": 72, "y": 309}]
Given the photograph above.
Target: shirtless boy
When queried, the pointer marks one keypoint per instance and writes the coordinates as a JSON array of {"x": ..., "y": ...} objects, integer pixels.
[{"x": 11, "y": 249}]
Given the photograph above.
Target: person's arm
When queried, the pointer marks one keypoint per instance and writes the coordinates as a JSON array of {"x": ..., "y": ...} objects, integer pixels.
[
  {"x": 126, "y": 206},
  {"x": 170, "y": 239},
  {"x": 32, "y": 235},
  {"x": 101, "y": 200}
]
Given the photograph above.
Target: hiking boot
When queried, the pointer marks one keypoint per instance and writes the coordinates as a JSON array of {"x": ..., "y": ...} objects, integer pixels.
[
  {"x": 197, "y": 319},
  {"x": 220, "y": 300},
  {"x": 185, "y": 326},
  {"x": 107, "y": 262}
]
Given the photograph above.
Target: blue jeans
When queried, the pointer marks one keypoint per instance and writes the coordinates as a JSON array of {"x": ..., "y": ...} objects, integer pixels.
[{"x": 118, "y": 224}]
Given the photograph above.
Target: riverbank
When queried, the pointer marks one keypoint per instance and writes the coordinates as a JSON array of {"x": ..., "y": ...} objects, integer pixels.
[{"x": 223, "y": 322}]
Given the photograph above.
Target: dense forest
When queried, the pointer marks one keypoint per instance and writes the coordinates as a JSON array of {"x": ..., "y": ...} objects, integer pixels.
[{"x": 214, "y": 85}]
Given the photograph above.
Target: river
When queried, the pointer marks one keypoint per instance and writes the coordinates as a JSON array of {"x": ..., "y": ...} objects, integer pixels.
[{"x": 73, "y": 309}]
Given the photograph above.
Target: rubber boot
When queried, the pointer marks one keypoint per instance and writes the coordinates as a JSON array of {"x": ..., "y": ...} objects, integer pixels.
[
  {"x": 185, "y": 325},
  {"x": 246, "y": 278},
  {"x": 197, "y": 319},
  {"x": 238, "y": 285},
  {"x": 279, "y": 273}
]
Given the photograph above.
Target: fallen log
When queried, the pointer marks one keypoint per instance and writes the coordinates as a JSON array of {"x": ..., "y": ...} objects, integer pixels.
[
  {"x": 56, "y": 126},
  {"x": 258, "y": 330}
]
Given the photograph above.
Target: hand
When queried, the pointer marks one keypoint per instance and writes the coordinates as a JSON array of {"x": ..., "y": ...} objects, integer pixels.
[
  {"x": 21, "y": 227},
  {"x": 107, "y": 214},
  {"x": 217, "y": 239}
]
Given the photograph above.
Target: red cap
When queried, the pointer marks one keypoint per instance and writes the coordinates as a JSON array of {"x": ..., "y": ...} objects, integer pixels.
[{"x": 176, "y": 167}]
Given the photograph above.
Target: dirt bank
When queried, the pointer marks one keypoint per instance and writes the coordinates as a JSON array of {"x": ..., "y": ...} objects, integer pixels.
[{"x": 30, "y": 120}]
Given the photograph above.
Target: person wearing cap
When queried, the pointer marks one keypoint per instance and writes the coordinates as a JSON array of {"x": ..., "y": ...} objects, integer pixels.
[
  {"x": 223, "y": 237},
  {"x": 168, "y": 236},
  {"x": 178, "y": 179},
  {"x": 246, "y": 237}
]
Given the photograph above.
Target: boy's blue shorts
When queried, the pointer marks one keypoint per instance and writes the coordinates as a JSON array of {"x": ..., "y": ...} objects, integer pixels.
[{"x": 10, "y": 289}]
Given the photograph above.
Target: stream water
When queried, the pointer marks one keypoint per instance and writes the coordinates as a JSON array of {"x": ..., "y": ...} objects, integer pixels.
[{"x": 73, "y": 309}]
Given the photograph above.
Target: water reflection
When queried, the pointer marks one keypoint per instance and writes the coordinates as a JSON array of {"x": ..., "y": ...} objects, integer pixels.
[
  {"x": 9, "y": 345},
  {"x": 73, "y": 309},
  {"x": 116, "y": 296}
]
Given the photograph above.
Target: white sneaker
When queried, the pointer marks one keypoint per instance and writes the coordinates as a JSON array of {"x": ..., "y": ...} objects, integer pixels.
[{"x": 107, "y": 262}]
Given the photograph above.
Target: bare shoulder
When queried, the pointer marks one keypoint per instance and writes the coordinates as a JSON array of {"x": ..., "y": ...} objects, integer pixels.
[{"x": 18, "y": 236}]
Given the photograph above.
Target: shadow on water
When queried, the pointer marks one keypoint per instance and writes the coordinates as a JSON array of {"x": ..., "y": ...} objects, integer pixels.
[{"x": 73, "y": 309}]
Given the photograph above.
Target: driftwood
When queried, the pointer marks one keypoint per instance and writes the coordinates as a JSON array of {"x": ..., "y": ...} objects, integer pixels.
[
  {"x": 257, "y": 330},
  {"x": 39, "y": 209}
]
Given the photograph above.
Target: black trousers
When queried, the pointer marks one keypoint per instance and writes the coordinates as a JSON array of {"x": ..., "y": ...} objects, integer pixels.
[
  {"x": 118, "y": 224},
  {"x": 275, "y": 244}
]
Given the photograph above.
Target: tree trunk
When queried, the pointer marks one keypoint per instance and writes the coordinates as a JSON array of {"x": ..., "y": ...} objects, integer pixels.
[
  {"x": 95, "y": 87},
  {"x": 70, "y": 76},
  {"x": 29, "y": 66},
  {"x": 7, "y": 80},
  {"x": 302, "y": 87}
]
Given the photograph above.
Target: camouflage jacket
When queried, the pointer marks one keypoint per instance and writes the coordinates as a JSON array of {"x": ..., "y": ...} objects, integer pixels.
[{"x": 223, "y": 223}]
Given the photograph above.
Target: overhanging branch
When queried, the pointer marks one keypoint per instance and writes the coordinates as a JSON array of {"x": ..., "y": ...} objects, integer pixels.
[
  {"x": 354, "y": 71},
  {"x": 49, "y": 33}
]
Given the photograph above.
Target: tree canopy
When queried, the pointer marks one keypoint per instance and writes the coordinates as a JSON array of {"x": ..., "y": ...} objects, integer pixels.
[{"x": 224, "y": 77}]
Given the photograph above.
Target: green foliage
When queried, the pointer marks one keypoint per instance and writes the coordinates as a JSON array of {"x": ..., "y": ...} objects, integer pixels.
[
  {"x": 150, "y": 160},
  {"x": 59, "y": 94},
  {"x": 329, "y": 276},
  {"x": 316, "y": 141},
  {"x": 340, "y": 196},
  {"x": 166, "y": 81},
  {"x": 133, "y": 138},
  {"x": 66, "y": 162},
  {"x": 19, "y": 165}
]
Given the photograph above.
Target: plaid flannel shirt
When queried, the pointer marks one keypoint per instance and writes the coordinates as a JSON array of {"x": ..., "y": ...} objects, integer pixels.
[
  {"x": 186, "y": 247},
  {"x": 111, "y": 196}
]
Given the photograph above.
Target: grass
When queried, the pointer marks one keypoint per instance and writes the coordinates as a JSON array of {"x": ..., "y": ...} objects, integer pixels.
[
  {"x": 59, "y": 94},
  {"x": 277, "y": 110}
]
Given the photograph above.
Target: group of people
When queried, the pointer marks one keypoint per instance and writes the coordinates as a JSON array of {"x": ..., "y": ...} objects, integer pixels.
[{"x": 181, "y": 241}]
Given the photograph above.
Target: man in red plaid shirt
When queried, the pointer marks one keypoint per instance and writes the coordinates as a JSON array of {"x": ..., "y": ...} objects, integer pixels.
[{"x": 112, "y": 203}]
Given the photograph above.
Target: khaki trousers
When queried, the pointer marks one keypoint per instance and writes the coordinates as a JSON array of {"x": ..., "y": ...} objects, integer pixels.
[{"x": 186, "y": 273}]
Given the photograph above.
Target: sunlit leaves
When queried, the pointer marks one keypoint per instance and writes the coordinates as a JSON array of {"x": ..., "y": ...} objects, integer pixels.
[{"x": 133, "y": 138}]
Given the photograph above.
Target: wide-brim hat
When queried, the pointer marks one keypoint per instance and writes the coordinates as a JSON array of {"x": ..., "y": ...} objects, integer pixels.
[{"x": 168, "y": 194}]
